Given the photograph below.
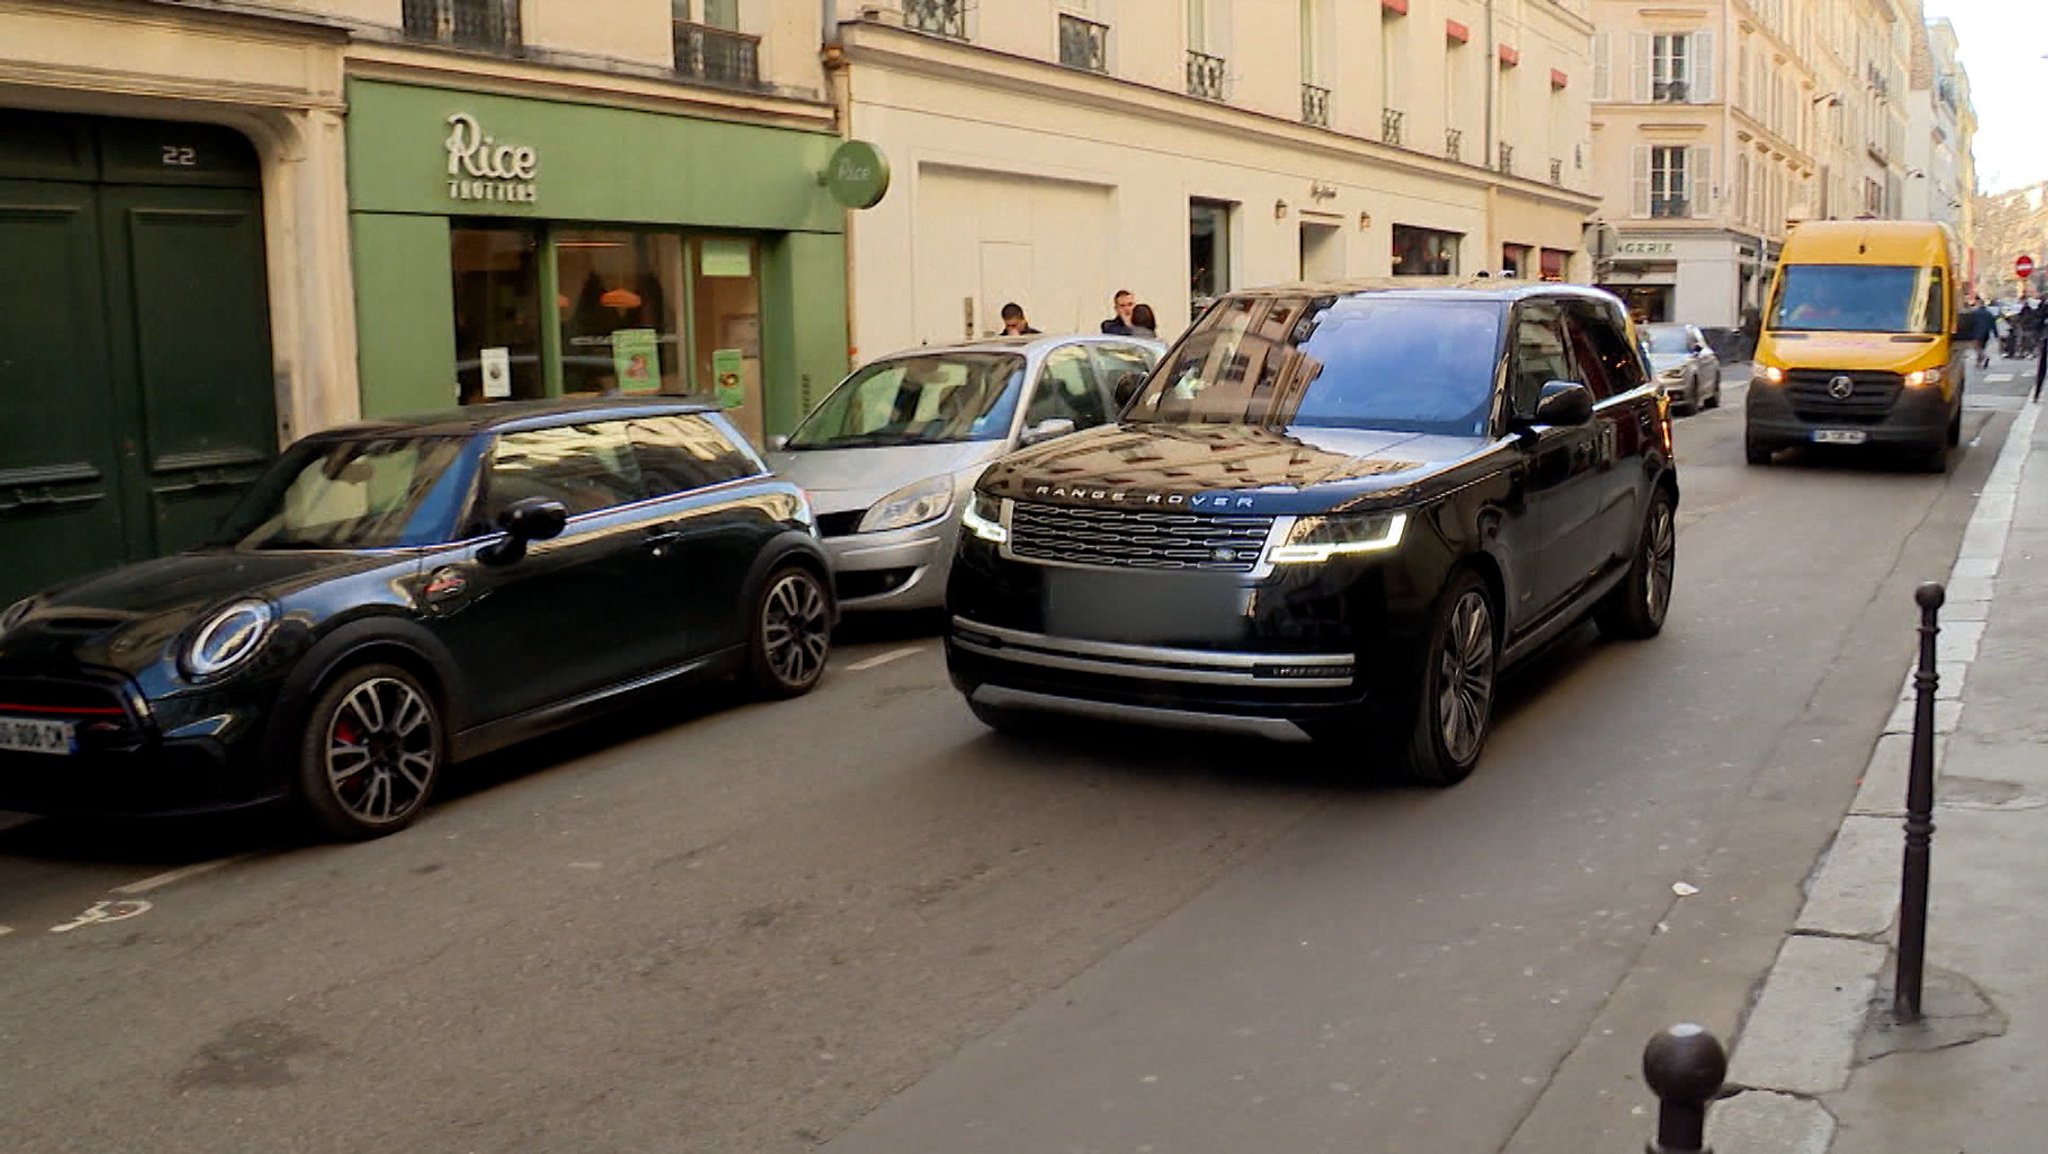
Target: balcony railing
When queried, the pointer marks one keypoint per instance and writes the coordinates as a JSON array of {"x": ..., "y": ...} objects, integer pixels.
[
  {"x": 1315, "y": 105},
  {"x": 717, "y": 55},
  {"x": 1390, "y": 125},
  {"x": 939, "y": 17},
  {"x": 1670, "y": 206},
  {"x": 1557, "y": 171},
  {"x": 1507, "y": 158},
  {"x": 1454, "y": 143},
  {"x": 487, "y": 24},
  {"x": 1205, "y": 75},
  {"x": 1084, "y": 44}
]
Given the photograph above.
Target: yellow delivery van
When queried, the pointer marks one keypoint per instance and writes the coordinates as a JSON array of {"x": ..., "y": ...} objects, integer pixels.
[{"x": 1857, "y": 345}]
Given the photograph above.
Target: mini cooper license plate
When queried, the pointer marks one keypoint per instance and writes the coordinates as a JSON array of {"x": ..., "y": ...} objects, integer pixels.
[
  {"x": 1839, "y": 436},
  {"x": 33, "y": 735}
]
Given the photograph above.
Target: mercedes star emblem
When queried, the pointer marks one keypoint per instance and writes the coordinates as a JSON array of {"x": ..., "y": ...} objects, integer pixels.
[{"x": 1841, "y": 388}]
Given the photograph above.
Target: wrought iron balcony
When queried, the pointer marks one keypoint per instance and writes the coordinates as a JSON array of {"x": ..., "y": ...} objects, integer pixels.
[
  {"x": 717, "y": 55},
  {"x": 485, "y": 24},
  {"x": 946, "y": 18},
  {"x": 1557, "y": 172},
  {"x": 1454, "y": 143},
  {"x": 1315, "y": 105},
  {"x": 1390, "y": 125},
  {"x": 1507, "y": 158},
  {"x": 1084, "y": 44},
  {"x": 1205, "y": 75}
]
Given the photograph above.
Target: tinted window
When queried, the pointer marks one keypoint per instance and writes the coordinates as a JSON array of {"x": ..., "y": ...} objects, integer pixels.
[
  {"x": 1856, "y": 299},
  {"x": 1539, "y": 353},
  {"x": 585, "y": 467},
  {"x": 1602, "y": 348},
  {"x": 1067, "y": 388},
  {"x": 1400, "y": 363},
  {"x": 354, "y": 494},
  {"x": 1113, "y": 361},
  {"x": 918, "y": 400},
  {"x": 1668, "y": 338},
  {"x": 680, "y": 453}
]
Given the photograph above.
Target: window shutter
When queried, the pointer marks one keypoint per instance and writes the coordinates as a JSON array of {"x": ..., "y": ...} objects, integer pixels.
[
  {"x": 1641, "y": 208},
  {"x": 1700, "y": 85},
  {"x": 1603, "y": 67},
  {"x": 1639, "y": 67},
  {"x": 1699, "y": 179}
]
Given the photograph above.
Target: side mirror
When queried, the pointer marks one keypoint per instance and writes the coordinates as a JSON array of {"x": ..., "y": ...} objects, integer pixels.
[
  {"x": 1046, "y": 430},
  {"x": 1563, "y": 403},
  {"x": 1127, "y": 385},
  {"x": 526, "y": 520}
]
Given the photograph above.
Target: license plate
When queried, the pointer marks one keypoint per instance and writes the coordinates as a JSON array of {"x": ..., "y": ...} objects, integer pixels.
[
  {"x": 1839, "y": 436},
  {"x": 30, "y": 735}
]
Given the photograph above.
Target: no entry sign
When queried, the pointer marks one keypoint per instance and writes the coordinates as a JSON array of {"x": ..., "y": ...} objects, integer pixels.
[{"x": 2023, "y": 267}]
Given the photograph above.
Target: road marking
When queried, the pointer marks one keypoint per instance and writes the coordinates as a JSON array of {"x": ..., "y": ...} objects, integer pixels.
[
  {"x": 5, "y": 930},
  {"x": 104, "y": 912},
  {"x": 159, "y": 881},
  {"x": 882, "y": 659}
]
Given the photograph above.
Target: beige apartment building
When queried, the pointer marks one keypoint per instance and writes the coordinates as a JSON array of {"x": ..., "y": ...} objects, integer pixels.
[
  {"x": 1050, "y": 152},
  {"x": 1717, "y": 123}
]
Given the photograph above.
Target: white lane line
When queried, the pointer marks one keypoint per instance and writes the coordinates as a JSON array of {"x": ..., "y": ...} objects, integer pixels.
[
  {"x": 881, "y": 659},
  {"x": 5, "y": 930},
  {"x": 159, "y": 881}
]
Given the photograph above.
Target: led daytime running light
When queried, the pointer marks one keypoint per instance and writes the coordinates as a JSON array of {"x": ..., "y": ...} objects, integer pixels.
[
  {"x": 1389, "y": 537},
  {"x": 981, "y": 524}
]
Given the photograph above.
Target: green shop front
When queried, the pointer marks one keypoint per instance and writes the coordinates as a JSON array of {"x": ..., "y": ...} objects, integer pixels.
[{"x": 511, "y": 248}]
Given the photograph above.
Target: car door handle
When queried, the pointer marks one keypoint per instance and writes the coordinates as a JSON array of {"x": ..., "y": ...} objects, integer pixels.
[{"x": 658, "y": 542}]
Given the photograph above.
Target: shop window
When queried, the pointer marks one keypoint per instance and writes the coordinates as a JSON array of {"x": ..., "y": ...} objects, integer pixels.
[
  {"x": 1554, "y": 262},
  {"x": 1425, "y": 251},
  {"x": 1514, "y": 260},
  {"x": 620, "y": 307},
  {"x": 1208, "y": 251},
  {"x": 497, "y": 314},
  {"x": 725, "y": 299}
]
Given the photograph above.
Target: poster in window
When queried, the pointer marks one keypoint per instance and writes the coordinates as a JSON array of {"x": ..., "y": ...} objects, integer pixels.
[
  {"x": 496, "y": 366},
  {"x": 726, "y": 366},
  {"x": 636, "y": 357}
]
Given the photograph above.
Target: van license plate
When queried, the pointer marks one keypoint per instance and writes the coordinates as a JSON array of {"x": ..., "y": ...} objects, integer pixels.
[
  {"x": 1839, "y": 436},
  {"x": 31, "y": 735}
]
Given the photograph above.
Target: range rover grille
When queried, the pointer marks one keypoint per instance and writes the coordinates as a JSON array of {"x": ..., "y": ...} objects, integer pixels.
[{"x": 1130, "y": 539}]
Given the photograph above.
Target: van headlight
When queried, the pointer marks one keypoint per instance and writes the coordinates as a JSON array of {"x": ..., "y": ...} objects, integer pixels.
[
  {"x": 1923, "y": 378},
  {"x": 983, "y": 517},
  {"x": 913, "y": 504},
  {"x": 228, "y": 638},
  {"x": 1767, "y": 375},
  {"x": 1313, "y": 539}
]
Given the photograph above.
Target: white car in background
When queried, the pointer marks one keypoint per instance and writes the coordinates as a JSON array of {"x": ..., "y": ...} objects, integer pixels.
[{"x": 1685, "y": 364}]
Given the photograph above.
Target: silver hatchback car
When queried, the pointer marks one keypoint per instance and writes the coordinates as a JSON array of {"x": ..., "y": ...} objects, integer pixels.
[{"x": 892, "y": 452}]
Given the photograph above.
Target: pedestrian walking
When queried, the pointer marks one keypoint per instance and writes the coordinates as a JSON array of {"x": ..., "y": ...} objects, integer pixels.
[
  {"x": 1014, "y": 324},
  {"x": 1143, "y": 323},
  {"x": 2040, "y": 369},
  {"x": 1120, "y": 324},
  {"x": 1975, "y": 328}
]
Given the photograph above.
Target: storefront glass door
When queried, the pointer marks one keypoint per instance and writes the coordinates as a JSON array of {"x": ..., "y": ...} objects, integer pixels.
[
  {"x": 497, "y": 313},
  {"x": 726, "y": 327},
  {"x": 621, "y": 307}
]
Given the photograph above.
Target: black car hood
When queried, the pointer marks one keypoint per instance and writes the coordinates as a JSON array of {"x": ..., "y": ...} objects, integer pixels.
[
  {"x": 123, "y": 618},
  {"x": 1226, "y": 468}
]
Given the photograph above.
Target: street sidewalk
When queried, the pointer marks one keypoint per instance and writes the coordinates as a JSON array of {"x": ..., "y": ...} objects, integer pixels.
[{"x": 1819, "y": 1068}]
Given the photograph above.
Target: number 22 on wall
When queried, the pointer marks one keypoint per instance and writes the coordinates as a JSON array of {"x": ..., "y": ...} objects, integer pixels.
[{"x": 180, "y": 156}]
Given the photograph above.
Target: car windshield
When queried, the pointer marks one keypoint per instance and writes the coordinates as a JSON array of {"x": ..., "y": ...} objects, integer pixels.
[
  {"x": 359, "y": 493},
  {"x": 1857, "y": 299},
  {"x": 1405, "y": 364},
  {"x": 918, "y": 400},
  {"x": 1668, "y": 339}
]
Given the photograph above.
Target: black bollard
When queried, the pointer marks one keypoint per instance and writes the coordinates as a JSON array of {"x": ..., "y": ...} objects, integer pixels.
[
  {"x": 1684, "y": 1066},
  {"x": 1919, "y": 814}
]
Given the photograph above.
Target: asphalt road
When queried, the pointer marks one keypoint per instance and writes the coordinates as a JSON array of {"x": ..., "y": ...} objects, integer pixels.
[{"x": 860, "y": 921}]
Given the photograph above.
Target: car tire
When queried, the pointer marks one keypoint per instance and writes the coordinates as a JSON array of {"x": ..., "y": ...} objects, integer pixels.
[
  {"x": 1635, "y": 610},
  {"x": 1754, "y": 451},
  {"x": 1935, "y": 458},
  {"x": 1460, "y": 672},
  {"x": 791, "y": 635},
  {"x": 1714, "y": 398},
  {"x": 371, "y": 753},
  {"x": 1955, "y": 429}
]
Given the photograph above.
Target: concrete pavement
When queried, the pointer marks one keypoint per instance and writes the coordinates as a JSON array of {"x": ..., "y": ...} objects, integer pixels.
[{"x": 1820, "y": 1067}]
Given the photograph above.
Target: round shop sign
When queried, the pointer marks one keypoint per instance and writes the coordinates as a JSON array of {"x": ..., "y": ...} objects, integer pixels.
[{"x": 857, "y": 175}]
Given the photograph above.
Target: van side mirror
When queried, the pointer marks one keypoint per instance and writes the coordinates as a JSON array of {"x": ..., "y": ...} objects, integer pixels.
[
  {"x": 524, "y": 521},
  {"x": 1562, "y": 403}
]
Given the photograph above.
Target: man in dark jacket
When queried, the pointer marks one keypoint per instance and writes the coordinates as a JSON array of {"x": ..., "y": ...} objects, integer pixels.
[
  {"x": 1975, "y": 327},
  {"x": 1120, "y": 324}
]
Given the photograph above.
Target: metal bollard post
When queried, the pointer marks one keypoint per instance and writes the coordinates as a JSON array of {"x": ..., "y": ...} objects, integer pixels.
[
  {"x": 1684, "y": 1066},
  {"x": 1919, "y": 814}
]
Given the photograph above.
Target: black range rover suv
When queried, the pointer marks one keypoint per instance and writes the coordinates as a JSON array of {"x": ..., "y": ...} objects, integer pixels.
[{"x": 1332, "y": 513}]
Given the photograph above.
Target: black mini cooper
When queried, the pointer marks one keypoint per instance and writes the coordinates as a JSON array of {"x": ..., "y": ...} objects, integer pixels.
[
  {"x": 1329, "y": 513},
  {"x": 392, "y": 597}
]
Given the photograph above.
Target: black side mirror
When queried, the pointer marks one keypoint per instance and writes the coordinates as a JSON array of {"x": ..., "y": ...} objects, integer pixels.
[
  {"x": 1127, "y": 385},
  {"x": 1563, "y": 403},
  {"x": 526, "y": 520}
]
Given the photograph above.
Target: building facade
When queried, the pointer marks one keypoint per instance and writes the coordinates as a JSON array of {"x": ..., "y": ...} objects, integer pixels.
[
  {"x": 1051, "y": 152},
  {"x": 1941, "y": 174},
  {"x": 2011, "y": 224},
  {"x": 1716, "y": 125}
]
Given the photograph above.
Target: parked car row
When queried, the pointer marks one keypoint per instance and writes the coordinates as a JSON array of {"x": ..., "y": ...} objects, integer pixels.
[{"x": 1332, "y": 514}]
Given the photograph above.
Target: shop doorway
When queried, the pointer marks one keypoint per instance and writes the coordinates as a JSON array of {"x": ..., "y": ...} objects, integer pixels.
[
  {"x": 1322, "y": 251},
  {"x": 136, "y": 390}
]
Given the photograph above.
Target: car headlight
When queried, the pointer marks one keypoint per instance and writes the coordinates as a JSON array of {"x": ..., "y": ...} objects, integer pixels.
[
  {"x": 913, "y": 504},
  {"x": 983, "y": 517},
  {"x": 1313, "y": 539},
  {"x": 1923, "y": 378},
  {"x": 16, "y": 613},
  {"x": 229, "y": 638},
  {"x": 1768, "y": 375}
]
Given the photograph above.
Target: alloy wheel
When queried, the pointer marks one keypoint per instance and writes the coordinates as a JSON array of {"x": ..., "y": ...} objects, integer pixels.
[
  {"x": 1465, "y": 675},
  {"x": 1660, "y": 560},
  {"x": 383, "y": 746},
  {"x": 795, "y": 632}
]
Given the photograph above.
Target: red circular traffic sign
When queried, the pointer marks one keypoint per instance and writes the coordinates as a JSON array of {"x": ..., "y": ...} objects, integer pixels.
[{"x": 2023, "y": 266}]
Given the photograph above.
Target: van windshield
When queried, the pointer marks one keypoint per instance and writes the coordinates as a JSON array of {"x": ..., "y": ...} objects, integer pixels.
[{"x": 1858, "y": 299}]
